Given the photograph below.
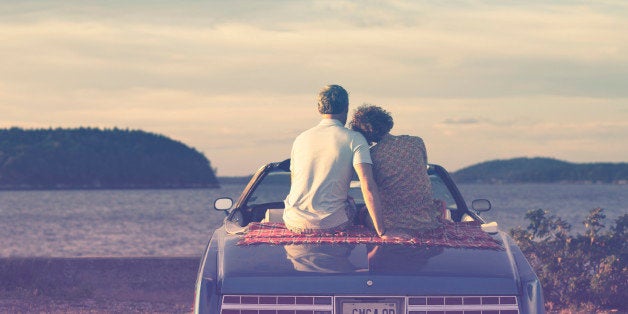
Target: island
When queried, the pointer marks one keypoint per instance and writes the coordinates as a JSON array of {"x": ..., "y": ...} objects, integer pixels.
[
  {"x": 542, "y": 170},
  {"x": 93, "y": 158}
]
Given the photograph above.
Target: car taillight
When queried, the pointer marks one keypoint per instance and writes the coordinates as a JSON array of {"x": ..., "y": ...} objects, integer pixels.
[
  {"x": 463, "y": 304},
  {"x": 251, "y": 304}
]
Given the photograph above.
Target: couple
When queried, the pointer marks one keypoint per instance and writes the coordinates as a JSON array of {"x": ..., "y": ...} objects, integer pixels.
[{"x": 393, "y": 173}]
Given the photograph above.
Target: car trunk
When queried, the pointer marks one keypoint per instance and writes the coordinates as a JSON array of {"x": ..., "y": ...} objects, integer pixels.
[{"x": 363, "y": 269}]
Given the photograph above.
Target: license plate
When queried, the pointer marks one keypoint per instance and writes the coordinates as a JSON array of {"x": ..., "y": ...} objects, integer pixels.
[{"x": 369, "y": 308}]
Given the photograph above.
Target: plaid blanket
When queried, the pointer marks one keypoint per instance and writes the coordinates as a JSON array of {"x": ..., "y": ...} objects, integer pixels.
[{"x": 449, "y": 234}]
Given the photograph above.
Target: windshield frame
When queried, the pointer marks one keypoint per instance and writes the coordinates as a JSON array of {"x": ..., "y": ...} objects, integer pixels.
[{"x": 245, "y": 200}]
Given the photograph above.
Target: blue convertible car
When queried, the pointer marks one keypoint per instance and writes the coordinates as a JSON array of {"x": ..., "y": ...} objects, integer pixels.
[{"x": 252, "y": 264}]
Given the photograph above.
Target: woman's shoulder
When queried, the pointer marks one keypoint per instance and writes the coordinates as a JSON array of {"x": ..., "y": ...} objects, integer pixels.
[
  {"x": 411, "y": 139},
  {"x": 399, "y": 144},
  {"x": 405, "y": 141}
]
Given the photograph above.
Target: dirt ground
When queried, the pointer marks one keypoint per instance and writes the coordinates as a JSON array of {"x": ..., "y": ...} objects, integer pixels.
[{"x": 97, "y": 285}]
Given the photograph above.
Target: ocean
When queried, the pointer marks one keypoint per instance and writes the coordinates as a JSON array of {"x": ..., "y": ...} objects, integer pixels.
[{"x": 135, "y": 223}]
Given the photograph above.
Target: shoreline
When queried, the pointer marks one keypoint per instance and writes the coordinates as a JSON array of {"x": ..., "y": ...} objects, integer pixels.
[{"x": 97, "y": 284}]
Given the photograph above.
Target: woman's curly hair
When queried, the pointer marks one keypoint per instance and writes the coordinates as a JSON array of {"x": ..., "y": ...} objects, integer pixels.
[{"x": 372, "y": 121}]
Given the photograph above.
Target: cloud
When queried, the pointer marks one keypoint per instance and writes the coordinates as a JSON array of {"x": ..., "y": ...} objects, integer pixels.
[
  {"x": 461, "y": 121},
  {"x": 545, "y": 134},
  {"x": 442, "y": 51},
  {"x": 222, "y": 72}
]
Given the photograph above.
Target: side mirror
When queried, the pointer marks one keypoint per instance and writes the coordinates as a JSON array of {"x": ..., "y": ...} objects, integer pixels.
[
  {"x": 481, "y": 205},
  {"x": 223, "y": 204}
]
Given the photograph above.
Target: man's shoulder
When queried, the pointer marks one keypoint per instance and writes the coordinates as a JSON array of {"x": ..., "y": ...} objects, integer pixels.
[
  {"x": 357, "y": 138},
  {"x": 309, "y": 132},
  {"x": 340, "y": 132},
  {"x": 352, "y": 133},
  {"x": 338, "y": 128}
]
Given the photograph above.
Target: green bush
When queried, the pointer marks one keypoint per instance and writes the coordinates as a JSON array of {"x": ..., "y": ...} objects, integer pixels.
[{"x": 585, "y": 272}]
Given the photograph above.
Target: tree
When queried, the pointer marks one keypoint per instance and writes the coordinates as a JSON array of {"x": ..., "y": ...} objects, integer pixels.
[
  {"x": 94, "y": 158},
  {"x": 583, "y": 272}
]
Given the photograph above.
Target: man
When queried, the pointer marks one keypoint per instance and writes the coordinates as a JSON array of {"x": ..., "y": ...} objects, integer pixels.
[{"x": 322, "y": 162}]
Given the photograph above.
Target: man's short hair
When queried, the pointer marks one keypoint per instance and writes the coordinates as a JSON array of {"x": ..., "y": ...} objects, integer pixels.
[{"x": 333, "y": 99}]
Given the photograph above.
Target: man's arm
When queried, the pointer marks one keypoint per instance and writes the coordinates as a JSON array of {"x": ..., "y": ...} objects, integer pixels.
[{"x": 370, "y": 193}]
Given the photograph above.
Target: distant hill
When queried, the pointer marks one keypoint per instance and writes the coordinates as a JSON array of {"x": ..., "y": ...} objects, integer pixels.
[
  {"x": 542, "y": 170},
  {"x": 89, "y": 158}
]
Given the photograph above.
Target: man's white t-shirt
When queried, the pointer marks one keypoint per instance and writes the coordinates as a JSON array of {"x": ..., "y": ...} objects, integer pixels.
[{"x": 321, "y": 166}]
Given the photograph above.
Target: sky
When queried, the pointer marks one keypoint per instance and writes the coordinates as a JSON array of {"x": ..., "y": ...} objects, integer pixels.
[{"x": 237, "y": 80}]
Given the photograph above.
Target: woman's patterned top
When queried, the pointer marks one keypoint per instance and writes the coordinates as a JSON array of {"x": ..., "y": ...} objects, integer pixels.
[{"x": 400, "y": 171}]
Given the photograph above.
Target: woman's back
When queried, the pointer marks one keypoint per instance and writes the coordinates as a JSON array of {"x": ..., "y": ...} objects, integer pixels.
[{"x": 400, "y": 171}]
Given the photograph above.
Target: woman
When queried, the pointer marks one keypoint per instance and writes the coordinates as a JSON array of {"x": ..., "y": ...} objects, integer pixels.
[{"x": 400, "y": 171}]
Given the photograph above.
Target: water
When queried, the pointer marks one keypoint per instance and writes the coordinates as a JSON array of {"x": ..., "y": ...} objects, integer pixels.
[
  {"x": 572, "y": 202},
  {"x": 117, "y": 223},
  {"x": 109, "y": 222}
]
